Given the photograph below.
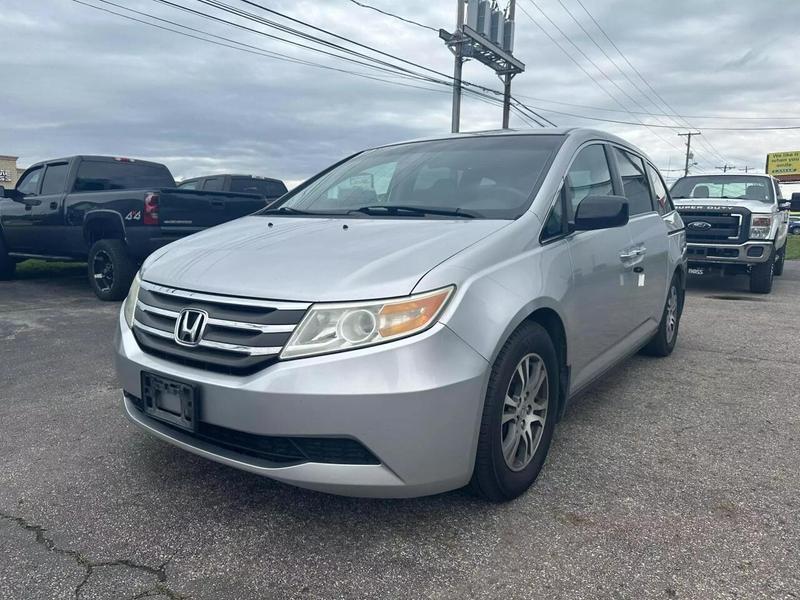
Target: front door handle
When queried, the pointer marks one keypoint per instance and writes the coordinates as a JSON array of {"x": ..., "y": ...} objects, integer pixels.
[{"x": 631, "y": 254}]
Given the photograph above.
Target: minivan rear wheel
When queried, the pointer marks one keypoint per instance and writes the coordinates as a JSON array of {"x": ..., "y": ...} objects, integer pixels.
[
  {"x": 664, "y": 340},
  {"x": 519, "y": 415}
]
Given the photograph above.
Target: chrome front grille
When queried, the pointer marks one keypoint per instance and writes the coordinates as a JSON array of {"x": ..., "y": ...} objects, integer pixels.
[
  {"x": 725, "y": 227},
  {"x": 242, "y": 335}
]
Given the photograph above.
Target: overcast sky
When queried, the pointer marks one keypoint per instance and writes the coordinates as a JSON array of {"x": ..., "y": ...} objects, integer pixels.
[{"x": 80, "y": 81}]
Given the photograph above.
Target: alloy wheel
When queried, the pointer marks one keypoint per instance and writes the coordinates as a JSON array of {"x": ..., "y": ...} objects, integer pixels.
[
  {"x": 672, "y": 313},
  {"x": 524, "y": 412},
  {"x": 103, "y": 271}
]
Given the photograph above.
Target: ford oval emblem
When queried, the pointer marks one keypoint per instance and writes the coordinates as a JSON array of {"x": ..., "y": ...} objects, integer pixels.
[{"x": 699, "y": 225}]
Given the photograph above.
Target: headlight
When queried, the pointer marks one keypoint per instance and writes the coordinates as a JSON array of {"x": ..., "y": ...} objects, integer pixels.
[
  {"x": 335, "y": 327},
  {"x": 760, "y": 227},
  {"x": 130, "y": 302}
]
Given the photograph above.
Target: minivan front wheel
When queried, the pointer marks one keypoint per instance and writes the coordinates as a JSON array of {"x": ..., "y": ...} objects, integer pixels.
[{"x": 519, "y": 415}]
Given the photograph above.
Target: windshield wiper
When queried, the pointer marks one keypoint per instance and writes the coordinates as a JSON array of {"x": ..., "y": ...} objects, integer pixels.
[
  {"x": 399, "y": 210},
  {"x": 288, "y": 210}
]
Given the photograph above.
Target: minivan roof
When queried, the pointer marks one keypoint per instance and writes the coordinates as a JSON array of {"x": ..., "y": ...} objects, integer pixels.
[{"x": 581, "y": 133}]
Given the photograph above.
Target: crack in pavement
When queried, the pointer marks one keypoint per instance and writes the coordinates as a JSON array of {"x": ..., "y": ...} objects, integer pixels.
[{"x": 160, "y": 588}]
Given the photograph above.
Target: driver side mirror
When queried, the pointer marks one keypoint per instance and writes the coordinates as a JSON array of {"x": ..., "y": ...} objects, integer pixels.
[
  {"x": 601, "y": 212},
  {"x": 11, "y": 194},
  {"x": 784, "y": 206}
]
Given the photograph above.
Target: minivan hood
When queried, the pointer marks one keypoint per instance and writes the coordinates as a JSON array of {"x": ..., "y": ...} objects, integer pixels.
[
  {"x": 711, "y": 203},
  {"x": 313, "y": 259}
]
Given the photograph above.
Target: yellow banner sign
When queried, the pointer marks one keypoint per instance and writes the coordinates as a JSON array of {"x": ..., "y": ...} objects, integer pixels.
[{"x": 783, "y": 163}]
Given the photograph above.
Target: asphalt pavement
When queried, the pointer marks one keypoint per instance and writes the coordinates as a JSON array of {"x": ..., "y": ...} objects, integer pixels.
[{"x": 670, "y": 478}]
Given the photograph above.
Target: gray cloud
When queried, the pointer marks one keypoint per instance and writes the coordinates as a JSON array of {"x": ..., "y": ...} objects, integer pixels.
[{"x": 81, "y": 81}]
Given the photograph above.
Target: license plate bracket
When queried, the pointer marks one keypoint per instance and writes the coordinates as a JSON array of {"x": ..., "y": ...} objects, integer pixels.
[{"x": 171, "y": 401}]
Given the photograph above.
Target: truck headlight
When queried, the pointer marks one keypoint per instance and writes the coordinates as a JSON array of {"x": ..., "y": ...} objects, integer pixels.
[
  {"x": 343, "y": 326},
  {"x": 760, "y": 227},
  {"x": 129, "y": 307}
]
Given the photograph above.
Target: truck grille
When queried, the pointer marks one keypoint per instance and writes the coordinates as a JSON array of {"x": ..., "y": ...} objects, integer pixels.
[
  {"x": 242, "y": 335},
  {"x": 725, "y": 227}
]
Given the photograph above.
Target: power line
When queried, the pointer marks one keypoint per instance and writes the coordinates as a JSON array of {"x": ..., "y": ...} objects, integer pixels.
[
  {"x": 645, "y": 81},
  {"x": 388, "y": 14},
  {"x": 616, "y": 110},
  {"x": 641, "y": 124},
  {"x": 253, "y": 17},
  {"x": 250, "y": 49},
  {"x": 222, "y": 6},
  {"x": 582, "y": 68}
]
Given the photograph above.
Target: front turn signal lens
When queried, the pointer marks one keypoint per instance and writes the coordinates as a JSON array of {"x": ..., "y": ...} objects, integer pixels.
[{"x": 412, "y": 315}]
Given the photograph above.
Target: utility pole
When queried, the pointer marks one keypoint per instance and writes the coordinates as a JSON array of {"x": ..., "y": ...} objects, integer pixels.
[
  {"x": 455, "y": 121},
  {"x": 508, "y": 76},
  {"x": 726, "y": 167},
  {"x": 688, "y": 137},
  {"x": 745, "y": 168},
  {"x": 488, "y": 37}
]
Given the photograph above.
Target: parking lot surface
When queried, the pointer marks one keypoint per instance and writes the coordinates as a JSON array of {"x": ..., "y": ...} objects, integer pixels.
[{"x": 670, "y": 478}]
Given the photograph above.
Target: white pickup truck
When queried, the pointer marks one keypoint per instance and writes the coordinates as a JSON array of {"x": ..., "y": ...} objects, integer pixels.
[{"x": 736, "y": 224}]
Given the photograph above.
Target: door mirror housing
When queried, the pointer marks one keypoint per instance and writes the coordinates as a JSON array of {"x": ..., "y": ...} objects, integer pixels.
[
  {"x": 784, "y": 205},
  {"x": 11, "y": 194},
  {"x": 601, "y": 212}
]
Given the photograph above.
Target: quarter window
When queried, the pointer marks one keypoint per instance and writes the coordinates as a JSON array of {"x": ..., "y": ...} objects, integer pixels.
[
  {"x": 30, "y": 182},
  {"x": 588, "y": 176},
  {"x": 556, "y": 223},
  {"x": 213, "y": 184},
  {"x": 634, "y": 182},
  {"x": 663, "y": 201}
]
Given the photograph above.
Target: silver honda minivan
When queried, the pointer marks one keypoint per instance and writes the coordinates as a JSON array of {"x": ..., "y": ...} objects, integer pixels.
[{"x": 411, "y": 320}]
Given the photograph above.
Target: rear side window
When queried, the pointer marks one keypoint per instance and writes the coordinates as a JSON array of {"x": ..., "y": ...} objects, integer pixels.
[
  {"x": 213, "y": 184},
  {"x": 30, "y": 182},
  {"x": 98, "y": 175},
  {"x": 634, "y": 182},
  {"x": 55, "y": 179},
  {"x": 663, "y": 201},
  {"x": 264, "y": 187},
  {"x": 589, "y": 175}
]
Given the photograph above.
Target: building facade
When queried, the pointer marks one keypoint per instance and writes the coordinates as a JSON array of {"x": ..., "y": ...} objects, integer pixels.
[{"x": 9, "y": 172}]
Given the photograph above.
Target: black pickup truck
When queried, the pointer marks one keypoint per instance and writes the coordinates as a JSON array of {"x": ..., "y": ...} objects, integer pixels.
[{"x": 110, "y": 212}]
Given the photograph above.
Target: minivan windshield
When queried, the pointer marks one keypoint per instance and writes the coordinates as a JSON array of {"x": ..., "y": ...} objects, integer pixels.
[
  {"x": 488, "y": 177},
  {"x": 724, "y": 187}
]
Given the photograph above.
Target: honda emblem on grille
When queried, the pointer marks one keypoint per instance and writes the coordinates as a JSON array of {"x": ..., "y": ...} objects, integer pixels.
[
  {"x": 699, "y": 225},
  {"x": 190, "y": 326}
]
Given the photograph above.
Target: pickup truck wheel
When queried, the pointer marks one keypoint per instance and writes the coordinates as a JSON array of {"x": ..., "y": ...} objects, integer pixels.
[
  {"x": 761, "y": 276},
  {"x": 519, "y": 415},
  {"x": 663, "y": 342},
  {"x": 111, "y": 270},
  {"x": 7, "y": 264},
  {"x": 778, "y": 271}
]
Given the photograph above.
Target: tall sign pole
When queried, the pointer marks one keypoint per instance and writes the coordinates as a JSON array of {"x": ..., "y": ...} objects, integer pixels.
[{"x": 455, "y": 123}]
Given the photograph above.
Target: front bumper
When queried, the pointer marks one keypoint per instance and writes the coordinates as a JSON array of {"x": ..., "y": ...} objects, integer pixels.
[
  {"x": 416, "y": 404},
  {"x": 752, "y": 252}
]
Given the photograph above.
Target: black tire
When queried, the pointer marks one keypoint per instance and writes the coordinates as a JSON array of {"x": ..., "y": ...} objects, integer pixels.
[
  {"x": 111, "y": 269},
  {"x": 778, "y": 271},
  {"x": 761, "y": 276},
  {"x": 7, "y": 264},
  {"x": 492, "y": 477},
  {"x": 664, "y": 340}
]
